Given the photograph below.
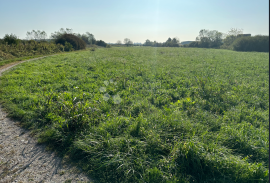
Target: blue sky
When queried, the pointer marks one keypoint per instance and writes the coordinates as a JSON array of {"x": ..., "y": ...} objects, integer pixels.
[{"x": 138, "y": 20}]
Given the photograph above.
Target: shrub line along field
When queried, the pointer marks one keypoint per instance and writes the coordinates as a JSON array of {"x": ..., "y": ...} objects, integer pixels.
[
  {"x": 20, "y": 59},
  {"x": 149, "y": 114}
]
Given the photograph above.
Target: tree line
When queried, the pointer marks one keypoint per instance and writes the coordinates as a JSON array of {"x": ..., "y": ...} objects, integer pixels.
[
  {"x": 169, "y": 43},
  {"x": 233, "y": 40},
  {"x": 42, "y": 36},
  {"x": 206, "y": 39}
]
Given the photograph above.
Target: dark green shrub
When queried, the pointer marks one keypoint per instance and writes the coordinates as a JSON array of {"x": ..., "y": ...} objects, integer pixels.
[
  {"x": 31, "y": 42},
  {"x": 68, "y": 46},
  {"x": 184, "y": 45},
  {"x": 11, "y": 39},
  {"x": 101, "y": 43},
  {"x": 204, "y": 43},
  {"x": 227, "y": 42},
  {"x": 76, "y": 42},
  {"x": 88, "y": 38},
  {"x": 257, "y": 43},
  {"x": 28, "y": 48},
  {"x": 193, "y": 44}
]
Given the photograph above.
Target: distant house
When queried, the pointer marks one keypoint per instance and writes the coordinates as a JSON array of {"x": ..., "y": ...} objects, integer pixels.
[
  {"x": 186, "y": 42},
  {"x": 243, "y": 35}
]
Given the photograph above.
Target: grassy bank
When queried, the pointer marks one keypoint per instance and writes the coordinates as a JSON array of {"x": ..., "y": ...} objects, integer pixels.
[
  {"x": 149, "y": 114},
  {"x": 5, "y": 62},
  {"x": 27, "y": 50}
]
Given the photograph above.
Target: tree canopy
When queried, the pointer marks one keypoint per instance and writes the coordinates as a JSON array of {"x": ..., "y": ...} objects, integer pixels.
[
  {"x": 128, "y": 42},
  {"x": 61, "y": 32},
  {"x": 36, "y": 35},
  {"x": 209, "y": 39},
  {"x": 169, "y": 43}
]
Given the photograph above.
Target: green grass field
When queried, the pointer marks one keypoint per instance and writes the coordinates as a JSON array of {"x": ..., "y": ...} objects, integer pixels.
[{"x": 149, "y": 114}]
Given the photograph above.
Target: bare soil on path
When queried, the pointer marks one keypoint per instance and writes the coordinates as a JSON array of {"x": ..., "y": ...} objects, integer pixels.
[{"x": 22, "y": 159}]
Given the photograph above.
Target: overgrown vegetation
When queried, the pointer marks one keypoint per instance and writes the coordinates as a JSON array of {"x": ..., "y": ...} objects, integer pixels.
[
  {"x": 28, "y": 48},
  {"x": 11, "y": 39},
  {"x": 76, "y": 42},
  {"x": 87, "y": 38},
  {"x": 230, "y": 37},
  {"x": 36, "y": 35},
  {"x": 101, "y": 43},
  {"x": 149, "y": 114},
  {"x": 233, "y": 40},
  {"x": 14, "y": 49},
  {"x": 257, "y": 43}
]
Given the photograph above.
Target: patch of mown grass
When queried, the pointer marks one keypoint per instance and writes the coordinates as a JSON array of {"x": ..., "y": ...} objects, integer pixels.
[{"x": 149, "y": 114}]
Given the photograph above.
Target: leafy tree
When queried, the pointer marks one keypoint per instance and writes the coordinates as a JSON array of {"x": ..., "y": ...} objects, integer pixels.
[
  {"x": 11, "y": 39},
  {"x": 88, "y": 38},
  {"x": 29, "y": 35},
  {"x": 36, "y": 35},
  {"x": 231, "y": 36},
  {"x": 175, "y": 40},
  {"x": 172, "y": 42},
  {"x": 215, "y": 39},
  {"x": 91, "y": 38},
  {"x": 234, "y": 32},
  {"x": 193, "y": 44},
  {"x": 148, "y": 43},
  {"x": 169, "y": 40},
  {"x": 203, "y": 38},
  {"x": 62, "y": 31},
  {"x": 209, "y": 39},
  {"x": 118, "y": 42},
  {"x": 128, "y": 42}
]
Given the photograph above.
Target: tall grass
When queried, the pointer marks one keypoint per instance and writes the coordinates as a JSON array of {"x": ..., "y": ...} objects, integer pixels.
[{"x": 149, "y": 114}]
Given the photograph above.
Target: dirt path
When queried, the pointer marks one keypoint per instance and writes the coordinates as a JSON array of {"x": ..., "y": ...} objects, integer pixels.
[{"x": 23, "y": 160}]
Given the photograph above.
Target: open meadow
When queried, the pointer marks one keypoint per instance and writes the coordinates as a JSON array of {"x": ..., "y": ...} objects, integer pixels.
[{"x": 146, "y": 114}]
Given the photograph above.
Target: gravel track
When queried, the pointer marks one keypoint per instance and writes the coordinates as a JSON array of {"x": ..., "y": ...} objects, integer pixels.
[{"x": 22, "y": 159}]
